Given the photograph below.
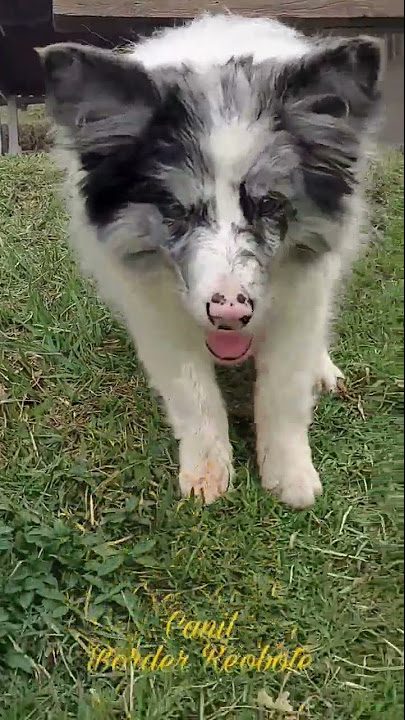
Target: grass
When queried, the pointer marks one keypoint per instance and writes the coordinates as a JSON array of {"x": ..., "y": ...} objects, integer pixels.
[{"x": 97, "y": 549}]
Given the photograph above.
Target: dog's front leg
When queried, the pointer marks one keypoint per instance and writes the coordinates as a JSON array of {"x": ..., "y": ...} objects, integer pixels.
[
  {"x": 172, "y": 349},
  {"x": 287, "y": 365}
]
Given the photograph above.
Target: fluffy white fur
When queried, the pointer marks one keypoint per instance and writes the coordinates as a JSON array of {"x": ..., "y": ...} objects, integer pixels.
[{"x": 212, "y": 41}]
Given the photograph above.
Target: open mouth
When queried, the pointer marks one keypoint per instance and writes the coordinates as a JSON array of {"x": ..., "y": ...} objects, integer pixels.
[{"x": 229, "y": 347}]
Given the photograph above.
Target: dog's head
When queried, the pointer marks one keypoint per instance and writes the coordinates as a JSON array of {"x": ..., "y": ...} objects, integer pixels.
[{"x": 220, "y": 174}]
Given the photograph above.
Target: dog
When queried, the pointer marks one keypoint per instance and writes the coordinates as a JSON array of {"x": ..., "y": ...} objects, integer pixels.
[{"x": 214, "y": 175}]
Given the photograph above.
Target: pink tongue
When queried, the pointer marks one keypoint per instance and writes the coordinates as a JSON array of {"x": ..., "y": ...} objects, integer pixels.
[{"x": 228, "y": 344}]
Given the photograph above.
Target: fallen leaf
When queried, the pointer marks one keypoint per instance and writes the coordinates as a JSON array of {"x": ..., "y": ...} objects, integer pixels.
[{"x": 280, "y": 705}]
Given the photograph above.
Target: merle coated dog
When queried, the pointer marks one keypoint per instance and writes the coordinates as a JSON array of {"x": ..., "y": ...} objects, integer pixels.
[{"x": 214, "y": 179}]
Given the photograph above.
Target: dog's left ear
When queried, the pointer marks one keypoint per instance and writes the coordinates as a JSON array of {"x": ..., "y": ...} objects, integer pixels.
[
  {"x": 85, "y": 84},
  {"x": 341, "y": 77}
]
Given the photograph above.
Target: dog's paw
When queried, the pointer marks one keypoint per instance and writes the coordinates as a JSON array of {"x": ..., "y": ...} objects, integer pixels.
[
  {"x": 329, "y": 378},
  {"x": 295, "y": 483},
  {"x": 299, "y": 487},
  {"x": 204, "y": 475}
]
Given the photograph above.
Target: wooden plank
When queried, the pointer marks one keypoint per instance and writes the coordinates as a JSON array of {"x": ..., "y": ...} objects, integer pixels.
[
  {"x": 24, "y": 100},
  {"x": 283, "y": 9},
  {"x": 12, "y": 118},
  {"x": 113, "y": 31}
]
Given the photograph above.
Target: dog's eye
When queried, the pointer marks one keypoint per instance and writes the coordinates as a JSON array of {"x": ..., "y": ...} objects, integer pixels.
[
  {"x": 180, "y": 220},
  {"x": 273, "y": 204},
  {"x": 177, "y": 228},
  {"x": 269, "y": 206},
  {"x": 176, "y": 212},
  {"x": 176, "y": 220}
]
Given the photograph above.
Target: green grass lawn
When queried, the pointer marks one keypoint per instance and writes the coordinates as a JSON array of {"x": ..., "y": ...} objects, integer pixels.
[{"x": 97, "y": 549}]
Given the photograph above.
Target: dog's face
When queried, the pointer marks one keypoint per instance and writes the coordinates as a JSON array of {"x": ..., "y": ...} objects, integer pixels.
[{"x": 219, "y": 174}]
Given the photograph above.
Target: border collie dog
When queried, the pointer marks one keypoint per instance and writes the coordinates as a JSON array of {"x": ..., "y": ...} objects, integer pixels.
[{"x": 213, "y": 176}]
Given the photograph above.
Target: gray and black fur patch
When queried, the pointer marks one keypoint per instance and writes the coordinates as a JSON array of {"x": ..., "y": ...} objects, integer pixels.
[
  {"x": 132, "y": 131},
  {"x": 325, "y": 103}
]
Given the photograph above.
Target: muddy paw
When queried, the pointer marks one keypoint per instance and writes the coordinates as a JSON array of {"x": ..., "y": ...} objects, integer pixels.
[{"x": 208, "y": 482}]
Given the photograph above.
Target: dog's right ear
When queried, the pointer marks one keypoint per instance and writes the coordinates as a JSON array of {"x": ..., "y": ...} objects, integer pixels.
[
  {"x": 85, "y": 84},
  {"x": 341, "y": 78}
]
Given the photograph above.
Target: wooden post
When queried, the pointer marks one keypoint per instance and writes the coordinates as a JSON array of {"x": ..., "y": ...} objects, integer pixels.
[{"x": 12, "y": 110}]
